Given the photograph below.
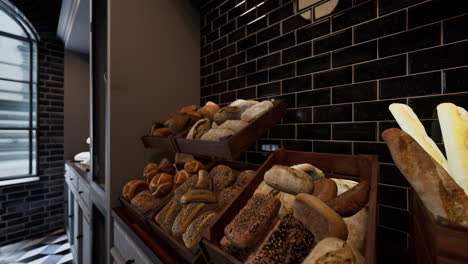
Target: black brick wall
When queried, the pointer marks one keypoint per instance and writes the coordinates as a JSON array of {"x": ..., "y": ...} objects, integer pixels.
[
  {"x": 339, "y": 74},
  {"x": 32, "y": 209}
]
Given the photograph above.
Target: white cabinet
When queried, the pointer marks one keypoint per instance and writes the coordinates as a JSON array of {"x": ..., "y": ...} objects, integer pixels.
[{"x": 126, "y": 248}]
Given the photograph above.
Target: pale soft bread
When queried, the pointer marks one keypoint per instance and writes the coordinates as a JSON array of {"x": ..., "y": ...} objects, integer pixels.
[
  {"x": 357, "y": 228},
  {"x": 237, "y": 102},
  {"x": 215, "y": 134},
  {"x": 344, "y": 185},
  {"x": 320, "y": 219},
  {"x": 441, "y": 195},
  {"x": 246, "y": 105},
  {"x": 264, "y": 188},
  {"x": 199, "y": 128},
  {"x": 409, "y": 122},
  {"x": 234, "y": 125},
  {"x": 256, "y": 111},
  {"x": 310, "y": 169},
  {"x": 287, "y": 203},
  {"x": 334, "y": 250},
  {"x": 286, "y": 179},
  {"x": 454, "y": 125}
]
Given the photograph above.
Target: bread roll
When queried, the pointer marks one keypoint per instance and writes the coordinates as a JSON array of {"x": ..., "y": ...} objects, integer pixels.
[
  {"x": 209, "y": 110},
  {"x": 149, "y": 168},
  {"x": 181, "y": 176},
  {"x": 226, "y": 196},
  {"x": 237, "y": 102},
  {"x": 193, "y": 166},
  {"x": 198, "y": 196},
  {"x": 189, "y": 108},
  {"x": 227, "y": 113},
  {"x": 234, "y": 125},
  {"x": 334, "y": 250},
  {"x": 321, "y": 220},
  {"x": 357, "y": 229},
  {"x": 286, "y": 179},
  {"x": 188, "y": 213},
  {"x": 256, "y": 111},
  {"x": 144, "y": 202},
  {"x": 199, "y": 129},
  {"x": 244, "y": 106},
  {"x": 161, "y": 184},
  {"x": 287, "y": 204},
  {"x": 132, "y": 188},
  {"x": 163, "y": 132},
  {"x": 325, "y": 189},
  {"x": 288, "y": 243},
  {"x": 222, "y": 177},
  {"x": 253, "y": 221},
  {"x": 454, "y": 125},
  {"x": 204, "y": 181},
  {"x": 178, "y": 122},
  {"x": 441, "y": 195},
  {"x": 194, "y": 232},
  {"x": 166, "y": 166},
  {"x": 244, "y": 178},
  {"x": 409, "y": 122},
  {"x": 264, "y": 188}
]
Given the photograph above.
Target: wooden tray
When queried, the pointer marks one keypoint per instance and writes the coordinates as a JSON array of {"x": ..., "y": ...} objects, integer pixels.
[
  {"x": 435, "y": 240},
  {"x": 142, "y": 217},
  {"x": 161, "y": 143},
  {"x": 194, "y": 256},
  {"x": 352, "y": 167},
  {"x": 231, "y": 147}
]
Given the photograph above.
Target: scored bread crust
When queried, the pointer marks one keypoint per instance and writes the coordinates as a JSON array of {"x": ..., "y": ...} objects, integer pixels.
[
  {"x": 438, "y": 191},
  {"x": 286, "y": 179}
]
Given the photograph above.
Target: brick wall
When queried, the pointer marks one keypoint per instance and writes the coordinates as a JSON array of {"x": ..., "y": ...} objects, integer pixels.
[
  {"x": 339, "y": 74},
  {"x": 32, "y": 209}
]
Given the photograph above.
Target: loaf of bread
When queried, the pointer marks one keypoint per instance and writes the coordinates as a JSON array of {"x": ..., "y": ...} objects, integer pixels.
[
  {"x": 188, "y": 213},
  {"x": 357, "y": 229},
  {"x": 161, "y": 184},
  {"x": 325, "y": 189},
  {"x": 198, "y": 196},
  {"x": 238, "y": 253},
  {"x": 264, "y": 188},
  {"x": 217, "y": 134},
  {"x": 234, "y": 125},
  {"x": 454, "y": 125},
  {"x": 227, "y": 113},
  {"x": 409, "y": 122},
  {"x": 351, "y": 201},
  {"x": 187, "y": 185},
  {"x": 246, "y": 105},
  {"x": 209, "y": 110},
  {"x": 144, "y": 202},
  {"x": 343, "y": 185},
  {"x": 334, "y": 250},
  {"x": 286, "y": 179},
  {"x": 222, "y": 177},
  {"x": 321, "y": 220},
  {"x": 311, "y": 170},
  {"x": 256, "y": 111},
  {"x": 253, "y": 221},
  {"x": 289, "y": 242},
  {"x": 237, "y": 102},
  {"x": 132, "y": 188},
  {"x": 194, "y": 232},
  {"x": 441, "y": 195},
  {"x": 244, "y": 178},
  {"x": 178, "y": 122},
  {"x": 199, "y": 129},
  {"x": 165, "y": 218}
]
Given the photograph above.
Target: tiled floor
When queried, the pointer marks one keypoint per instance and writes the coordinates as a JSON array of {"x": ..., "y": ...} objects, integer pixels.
[{"x": 51, "y": 249}]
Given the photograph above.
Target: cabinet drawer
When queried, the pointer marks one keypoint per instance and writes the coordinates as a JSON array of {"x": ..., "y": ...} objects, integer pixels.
[
  {"x": 127, "y": 248},
  {"x": 83, "y": 191}
]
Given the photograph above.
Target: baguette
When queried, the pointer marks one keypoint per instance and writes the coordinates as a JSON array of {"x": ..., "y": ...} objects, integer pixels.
[
  {"x": 351, "y": 201},
  {"x": 325, "y": 189},
  {"x": 185, "y": 217},
  {"x": 454, "y": 125},
  {"x": 195, "y": 230},
  {"x": 165, "y": 218},
  {"x": 198, "y": 196},
  {"x": 438, "y": 191}
]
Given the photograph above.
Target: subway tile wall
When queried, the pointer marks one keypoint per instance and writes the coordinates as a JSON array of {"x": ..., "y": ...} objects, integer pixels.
[{"x": 339, "y": 73}]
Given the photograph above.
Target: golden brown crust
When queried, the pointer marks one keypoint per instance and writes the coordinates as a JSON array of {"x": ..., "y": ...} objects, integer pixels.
[
  {"x": 209, "y": 110},
  {"x": 198, "y": 196},
  {"x": 144, "y": 202},
  {"x": 222, "y": 177},
  {"x": 438, "y": 191},
  {"x": 325, "y": 189},
  {"x": 132, "y": 188},
  {"x": 193, "y": 166},
  {"x": 161, "y": 184},
  {"x": 163, "y": 132},
  {"x": 181, "y": 176},
  {"x": 165, "y": 218},
  {"x": 351, "y": 201},
  {"x": 185, "y": 217},
  {"x": 188, "y": 108}
]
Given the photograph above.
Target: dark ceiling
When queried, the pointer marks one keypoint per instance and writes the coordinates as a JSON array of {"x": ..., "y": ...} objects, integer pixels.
[{"x": 43, "y": 14}]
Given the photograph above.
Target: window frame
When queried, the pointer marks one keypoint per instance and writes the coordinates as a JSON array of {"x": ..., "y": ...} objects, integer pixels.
[{"x": 32, "y": 38}]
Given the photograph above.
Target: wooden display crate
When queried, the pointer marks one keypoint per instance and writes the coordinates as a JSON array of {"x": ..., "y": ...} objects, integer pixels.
[
  {"x": 177, "y": 245},
  {"x": 435, "y": 240},
  {"x": 164, "y": 144},
  {"x": 352, "y": 167},
  {"x": 142, "y": 217},
  {"x": 231, "y": 147}
]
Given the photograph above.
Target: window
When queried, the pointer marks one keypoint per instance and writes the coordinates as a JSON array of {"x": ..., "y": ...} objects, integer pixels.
[{"x": 18, "y": 94}]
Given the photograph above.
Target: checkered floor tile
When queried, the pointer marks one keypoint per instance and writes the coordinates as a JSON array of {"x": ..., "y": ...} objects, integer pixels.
[{"x": 51, "y": 249}]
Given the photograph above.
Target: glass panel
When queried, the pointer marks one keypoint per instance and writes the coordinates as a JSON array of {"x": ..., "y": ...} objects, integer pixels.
[
  {"x": 34, "y": 153},
  {"x": 14, "y": 104},
  {"x": 14, "y": 153},
  {"x": 14, "y": 59},
  {"x": 9, "y": 25},
  {"x": 34, "y": 57}
]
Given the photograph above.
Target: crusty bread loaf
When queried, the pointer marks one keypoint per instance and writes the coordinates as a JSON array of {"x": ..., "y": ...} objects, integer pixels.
[
  {"x": 204, "y": 181},
  {"x": 161, "y": 184},
  {"x": 454, "y": 125},
  {"x": 132, "y": 188},
  {"x": 199, "y": 129},
  {"x": 234, "y": 125},
  {"x": 216, "y": 134},
  {"x": 256, "y": 111},
  {"x": 311, "y": 170},
  {"x": 194, "y": 231},
  {"x": 321, "y": 220},
  {"x": 186, "y": 185},
  {"x": 209, "y": 110},
  {"x": 222, "y": 177},
  {"x": 357, "y": 228},
  {"x": 287, "y": 203},
  {"x": 289, "y": 242},
  {"x": 198, "y": 196},
  {"x": 264, "y": 188},
  {"x": 226, "y": 196},
  {"x": 334, "y": 250},
  {"x": 438, "y": 191},
  {"x": 286, "y": 179},
  {"x": 246, "y": 105},
  {"x": 351, "y": 201},
  {"x": 144, "y": 202},
  {"x": 238, "y": 253},
  {"x": 252, "y": 222},
  {"x": 227, "y": 113},
  {"x": 244, "y": 178}
]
